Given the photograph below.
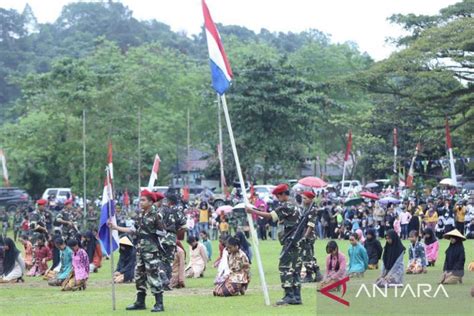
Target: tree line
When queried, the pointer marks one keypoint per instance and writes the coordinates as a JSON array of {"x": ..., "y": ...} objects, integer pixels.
[{"x": 294, "y": 97}]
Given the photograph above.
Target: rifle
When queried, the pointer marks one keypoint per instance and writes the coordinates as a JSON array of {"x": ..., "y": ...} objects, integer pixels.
[{"x": 297, "y": 232}]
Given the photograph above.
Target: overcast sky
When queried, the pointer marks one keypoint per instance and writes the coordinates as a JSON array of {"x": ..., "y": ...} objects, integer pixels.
[{"x": 361, "y": 21}]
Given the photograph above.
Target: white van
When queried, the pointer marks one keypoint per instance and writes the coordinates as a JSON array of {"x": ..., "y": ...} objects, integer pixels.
[
  {"x": 349, "y": 186},
  {"x": 60, "y": 194}
]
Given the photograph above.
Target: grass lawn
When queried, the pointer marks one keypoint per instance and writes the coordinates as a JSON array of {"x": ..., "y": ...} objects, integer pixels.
[{"x": 35, "y": 297}]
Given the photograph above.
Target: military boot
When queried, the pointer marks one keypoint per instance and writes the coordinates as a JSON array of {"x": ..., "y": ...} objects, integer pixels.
[
  {"x": 288, "y": 298},
  {"x": 297, "y": 295},
  {"x": 139, "y": 304},
  {"x": 158, "y": 303}
]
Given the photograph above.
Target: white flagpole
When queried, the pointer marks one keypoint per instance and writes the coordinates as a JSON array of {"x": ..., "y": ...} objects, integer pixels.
[
  {"x": 453, "y": 170},
  {"x": 84, "y": 203},
  {"x": 220, "y": 153},
  {"x": 111, "y": 254},
  {"x": 343, "y": 177},
  {"x": 246, "y": 201}
]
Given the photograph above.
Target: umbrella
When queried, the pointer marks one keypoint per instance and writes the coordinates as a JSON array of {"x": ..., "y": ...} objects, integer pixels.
[
  {"x": 353, "y": 201},
  {"x": 240, "y": 206},
  {"x": 389, "y": 199},
  {"x": 369, "y": 195},
  {"x": 313, "y": 182},
  {"x": 447, "y": 181},
  {"x": 371, "y": 185},
  {"x": 224, "y": 208}
]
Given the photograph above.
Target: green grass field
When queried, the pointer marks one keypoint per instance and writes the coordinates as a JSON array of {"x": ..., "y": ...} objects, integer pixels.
[{"x": 35, "y": 297}]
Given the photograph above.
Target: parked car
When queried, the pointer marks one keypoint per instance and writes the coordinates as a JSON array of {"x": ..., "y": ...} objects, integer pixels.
[
  {"x": 11, "y": 198},
  {"x": 264, "y": 192},
  {"x": 60, "y": 194},
  {"x": 349, "y": 186}
]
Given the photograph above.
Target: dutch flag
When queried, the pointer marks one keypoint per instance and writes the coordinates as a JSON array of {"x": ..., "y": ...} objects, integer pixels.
[
  {"x": 220, "y": 67},
  {"x": 107, "y": 210},
  {"x": 104, "y": 230}
]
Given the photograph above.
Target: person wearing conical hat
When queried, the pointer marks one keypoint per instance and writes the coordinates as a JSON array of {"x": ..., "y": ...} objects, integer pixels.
[
  {"x": 453, "y": 269},
  {"x": 127, "y": 260}
]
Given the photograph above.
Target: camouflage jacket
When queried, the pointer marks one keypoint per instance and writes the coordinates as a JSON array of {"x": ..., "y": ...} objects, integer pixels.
[
  {"x": 146, "y": 227},
  {"x": 173, "y": 220},
  {"x": 287, "y": 214}
]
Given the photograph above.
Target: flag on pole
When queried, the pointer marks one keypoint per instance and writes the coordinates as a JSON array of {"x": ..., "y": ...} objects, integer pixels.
[
  {"x": 451, "y": 157},
  {"x": 109, "y": 161},
  {"x": 108, "y": 212},
  {"x": 448, "y": 135},
  {"x": 411, "y": 172},
  {"x": 221, "y": 72},
  {"x": 401, "y": 179},
  {"x": 395, "y": 145},
  {"x": 349, "y": 146},
  {"x": 4, "y": 168},
  {"x": 154, "y": 171}
]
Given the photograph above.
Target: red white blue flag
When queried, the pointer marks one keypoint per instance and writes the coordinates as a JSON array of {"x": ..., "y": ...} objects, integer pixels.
[{"x": 220, "y": 68}]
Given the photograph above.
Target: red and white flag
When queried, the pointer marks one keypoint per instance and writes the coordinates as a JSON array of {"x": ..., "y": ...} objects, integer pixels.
[
  {"x": 154, "y": 171},
  {"x": 451, "y": 156},
  {"x": 411, "y": 172},
  {"x": 349, "y": 146},
  {"x": 109, "y": 161},
  {"x": 4, "y": 168}
]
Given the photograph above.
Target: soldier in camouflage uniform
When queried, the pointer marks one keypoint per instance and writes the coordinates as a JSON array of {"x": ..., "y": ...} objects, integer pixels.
[
  {"x": 65, "y": 218},
  {"x": 173, "y": 221},
  {"x": 91, "y": 218},
  {"x": 38, "y": 220},
  {"x": 148, "y": 228},
  {"x": 309, "y": 237},
  {"x": 287, "y": 213}
]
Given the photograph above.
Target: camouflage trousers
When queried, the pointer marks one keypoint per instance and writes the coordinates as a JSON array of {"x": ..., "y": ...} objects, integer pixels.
[
  {"x": 147, "y": 272},
  {"x": 290, "y": 267},
  {"x": 307, "y": 256},
  {"x": 166, "y": 263}
]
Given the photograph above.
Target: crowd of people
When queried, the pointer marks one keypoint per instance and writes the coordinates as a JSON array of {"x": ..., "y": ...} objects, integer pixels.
[{"x": 61, "y": 244}]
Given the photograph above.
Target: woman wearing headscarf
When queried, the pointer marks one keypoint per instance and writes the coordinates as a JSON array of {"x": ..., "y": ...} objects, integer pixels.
[
  {"x": 94, "y": 251},
  {"x": 453, "y": 269},
  {"x": 392, "y": 257},
  {"x": 374, "y": 249},
  {"x": 13, "y": 264},
  {"x": 431, "y": 246},
  {"x": 126, "y": 265}
]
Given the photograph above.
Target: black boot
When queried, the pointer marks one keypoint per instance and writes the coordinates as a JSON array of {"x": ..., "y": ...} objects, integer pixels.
[
  {"x": 158, "y": 303},
  {"x": 297, "y": 295},
  {"x": 288, "y": 298},
  {"x": 139, "y": 304},
  {"x": 319, "y": 276}
]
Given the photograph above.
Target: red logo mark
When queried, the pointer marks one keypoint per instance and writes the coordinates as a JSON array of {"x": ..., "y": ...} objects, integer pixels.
[{"x": 325, "y": 291}]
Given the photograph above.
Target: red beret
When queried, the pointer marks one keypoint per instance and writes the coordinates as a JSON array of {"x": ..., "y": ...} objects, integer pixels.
[
  {"x": 280, "y": 188},
  {"x": 309, "y": 194},
  {"x": 149, "y": 194},
  {"x": 159, "y": 196},
  {"x": 42, "y": 202},
  {"x": 68, "y": 201}
]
